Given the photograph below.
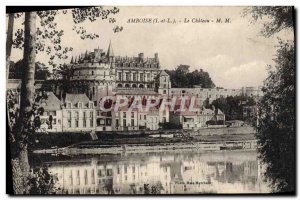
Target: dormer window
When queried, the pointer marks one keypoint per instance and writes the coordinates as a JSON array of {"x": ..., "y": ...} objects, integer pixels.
[
  {"x": 91, "y": 105},
  {"x": 69, "y": 105},
  {"x": 79, "y": 105}
]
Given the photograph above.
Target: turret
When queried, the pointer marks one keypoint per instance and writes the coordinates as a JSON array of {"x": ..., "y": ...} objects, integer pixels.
[
  {"x": 141, "y": 57},
  {"x": 156, "y": 57},
  {"x": 110, "y": 55},
  {"x": 110, "y": 52}
]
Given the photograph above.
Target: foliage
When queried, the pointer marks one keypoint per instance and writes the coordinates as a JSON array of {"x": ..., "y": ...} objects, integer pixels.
[
  {"x": 280, "y": 18},
  {"x": 41, "y": 71},
  {"x": 276, "y": 123},
  {"x": 30, "y": 126},
  {"x": 276, "y": 117},
  {"x": 154, "y": 189},
  {"x": 182, "y": 78},
  {"x": 232, "y": 107},
  {"x": 40, "y": 181},
  {"x": 170, "y": 125},
  {"x": 49, "y": 37}
]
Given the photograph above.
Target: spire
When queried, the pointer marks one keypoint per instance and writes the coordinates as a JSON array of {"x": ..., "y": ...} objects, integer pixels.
[
  {"x": 75, "y": 61},
  {"x": 72, "y": 60},
  {"x": 86, "y": 54},
  {"x": 110, "y": 52}
]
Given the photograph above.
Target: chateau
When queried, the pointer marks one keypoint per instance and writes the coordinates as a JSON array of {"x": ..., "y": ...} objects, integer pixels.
[{"x": 98, "y": 74}]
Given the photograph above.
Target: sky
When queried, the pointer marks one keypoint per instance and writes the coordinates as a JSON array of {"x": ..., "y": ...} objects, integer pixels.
[{"x": 235, "y": 54}]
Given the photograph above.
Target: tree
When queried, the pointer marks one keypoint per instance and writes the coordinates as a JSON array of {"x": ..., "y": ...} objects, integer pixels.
[
  {"x": 41, "y": 71},
  {"x": 182, "y": 78},
  {"x": 32, "y": 40},
  {"x": 276, "y": 124},
  {"x": 276, "y": 109},
  {"x": 9, "y": 41},
  {"x": 27, "y": 92},
  {"x": 280, "y": 18}
]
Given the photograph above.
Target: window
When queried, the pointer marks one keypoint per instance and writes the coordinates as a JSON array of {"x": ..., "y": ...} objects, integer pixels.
[
  {"x": 100, "y": 174},
  {"x": 59, "y": 121},
  {"x": 102, "y": 122},
  {"x": 165, "y": 91},
  {"x": 69, "y": 123},
  {"x": 124, "y": 122},
  {"x": 134, "y": 76},
  {"x": 91, "y": 122},
  {"x": 124, "y": 114},
  {"x": 76, "y": 123},
  {"x": 109, "y": 172},
  {"x": 91, "y": 104},
  {"x": 85, "y": 177},
  {"x": 108, "y": 122},
  {"x": 127, "y": 76},
  {"x": 79, "y": 105},
  {"x": 91, "y": 114},
  {"x": 132, "y": 114},
  {"x": 84, "y": 115},
  {"x": 93, "y": 176},
  {"x": 92, "y": 72},
  {"x": 119, "y": 76},
  {"x": 69, "y": 105},
  {"x": 145, "y": 117},
  {"x": 141, "y": 77},
  {"x": 54, "y": 121},
  {"x": 132, "y": 122},
  {"x": 84, "y": 123}
]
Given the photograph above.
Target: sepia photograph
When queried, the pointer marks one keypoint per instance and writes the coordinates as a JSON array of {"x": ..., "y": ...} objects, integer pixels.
[{"x": 150, "y": 100}]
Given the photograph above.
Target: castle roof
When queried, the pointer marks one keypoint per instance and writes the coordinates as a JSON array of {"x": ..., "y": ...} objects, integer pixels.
[
  {"x": 138, "y": 92},
  {"x": 51, "y": 103},
  {"x": 163, "y": 73},
  {"x": 110, "y": 51},
  {"x": 76, "y": 98}
]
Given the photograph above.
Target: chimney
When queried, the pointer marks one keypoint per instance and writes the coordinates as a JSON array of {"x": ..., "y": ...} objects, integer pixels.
[
  {"x": 141, "y": 56},
  {"x": 156, "y": 57}
]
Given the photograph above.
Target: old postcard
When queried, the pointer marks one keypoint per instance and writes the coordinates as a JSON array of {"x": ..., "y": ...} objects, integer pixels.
[{"x": 150, "y": 100}]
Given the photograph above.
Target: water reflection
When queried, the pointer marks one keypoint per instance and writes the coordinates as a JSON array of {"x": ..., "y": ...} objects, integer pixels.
[{"x": 160, "y": 173}]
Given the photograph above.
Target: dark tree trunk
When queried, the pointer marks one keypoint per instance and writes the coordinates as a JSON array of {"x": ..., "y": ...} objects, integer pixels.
[
  {"x": 9, "y": 40},
  {"x": 27, "y": 91}
]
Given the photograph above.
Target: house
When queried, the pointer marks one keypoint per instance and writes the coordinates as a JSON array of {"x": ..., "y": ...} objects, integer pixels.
[
  {"x": 197, "y": 119},
  {"x": 51, "y": 120},
  {"x": 212, "y": 115},
  {"x": 78, "y": 113},
  {"x": 152, "y": 117},
  {"x": 104, "y": 119},
  {"x": 127, "y": 119}
]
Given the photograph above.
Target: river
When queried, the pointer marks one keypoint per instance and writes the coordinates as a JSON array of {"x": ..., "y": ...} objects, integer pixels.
[{"x": 157, "y": 173}]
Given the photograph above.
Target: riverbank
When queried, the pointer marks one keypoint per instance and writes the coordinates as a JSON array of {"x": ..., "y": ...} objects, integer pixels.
[
  {"x": 65, "y": 139},
  {"x": 149, "y": 144}
]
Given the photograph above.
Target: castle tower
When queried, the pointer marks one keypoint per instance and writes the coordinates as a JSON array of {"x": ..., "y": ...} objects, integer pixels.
[
  {"x": 110, "y": 52},
  {"x": 111, "y": 57}
]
